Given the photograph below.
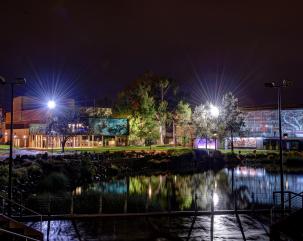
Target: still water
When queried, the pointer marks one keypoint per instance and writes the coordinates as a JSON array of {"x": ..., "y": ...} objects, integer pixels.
[{"x": 246, "y": 186}]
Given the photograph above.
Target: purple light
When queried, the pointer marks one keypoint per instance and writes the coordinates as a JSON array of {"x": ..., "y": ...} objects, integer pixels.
[{"x": 200, "y": 143}]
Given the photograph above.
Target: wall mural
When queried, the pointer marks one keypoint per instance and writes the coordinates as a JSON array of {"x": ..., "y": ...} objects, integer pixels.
[{"x": 109, "y": 126}]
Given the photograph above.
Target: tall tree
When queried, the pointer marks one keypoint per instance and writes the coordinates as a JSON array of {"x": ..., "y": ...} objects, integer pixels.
[
  {"x": 232, "y": 118},
  {"x": 204, "y": 121},
  {"x": 163, "y": 115},
  {"x": 138, "y": 105},
  {"x": 182, "y": 118},
  {"x": 152, "y": 91}
]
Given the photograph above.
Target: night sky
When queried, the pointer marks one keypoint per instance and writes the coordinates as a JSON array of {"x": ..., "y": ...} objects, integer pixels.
[{"x": 95, "y": 48}]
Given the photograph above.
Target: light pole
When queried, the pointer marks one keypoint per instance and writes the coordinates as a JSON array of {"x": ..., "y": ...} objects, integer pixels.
[
  {"x": 215, "y": 137},
  {"x": 214, "y": 113},
  {"x": 17, "y": 81},
  {"x": 51, "y": 104},
  {"x": 279, "y": 86}
]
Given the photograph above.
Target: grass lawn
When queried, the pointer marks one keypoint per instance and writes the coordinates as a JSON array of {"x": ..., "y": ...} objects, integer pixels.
[
  {"x": 177, "y": 149},
  {"x": 125, "y": 148},
  {"x": 4, "y": 147},
  {"x": 152, "y": 148}
]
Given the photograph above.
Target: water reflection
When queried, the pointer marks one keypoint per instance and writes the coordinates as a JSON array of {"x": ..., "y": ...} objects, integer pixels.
[
  {"x": 177, "y": 192},
  {"x": 244, "y": 186}
]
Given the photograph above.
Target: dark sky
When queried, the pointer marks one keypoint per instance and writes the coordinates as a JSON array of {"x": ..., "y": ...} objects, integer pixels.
[{"x": 95, "y": 48}]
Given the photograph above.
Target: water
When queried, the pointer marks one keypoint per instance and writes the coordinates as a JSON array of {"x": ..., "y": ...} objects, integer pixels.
[{"x": 247, "y": 187}]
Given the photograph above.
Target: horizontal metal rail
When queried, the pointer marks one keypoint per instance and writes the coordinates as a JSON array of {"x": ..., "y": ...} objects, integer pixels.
[
  {"x": 144, "y": 214},
  {"x": 20, "y": 205},
  {"x": 288, "y": 202},
  {"x": 18, "y": 235},
  {"x": 23, "y": 207}
]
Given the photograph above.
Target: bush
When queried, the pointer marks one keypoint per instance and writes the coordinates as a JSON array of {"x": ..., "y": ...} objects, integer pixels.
[
  {"x": 34, "y": 171},
  {"x": 294, "y": 161},
  {"x": 272, "y": 156},
  {"x": 21, "y": 174},
  {"x": 54, "y": 183},
  {"x": 230, "y": 156},
  {"x": 3, "y": 175}
]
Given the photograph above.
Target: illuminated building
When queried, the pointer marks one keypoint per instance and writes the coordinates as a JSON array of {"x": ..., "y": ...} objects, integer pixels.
[
  {"x": 262, "y": 130},
  {"x": 30, "y": 125}
]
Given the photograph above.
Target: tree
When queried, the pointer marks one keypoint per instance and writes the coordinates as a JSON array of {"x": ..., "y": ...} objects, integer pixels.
[
  {"x": 182, "y": 118},
  {"x": 204, "y": 121},
  {"x": 231, "y": 117},
  {"x": 65, "y": 125},
  {"x": 155, "y": 90},
  {"x": 138, "y": 105},
  {"x": 162, "y": 109}
]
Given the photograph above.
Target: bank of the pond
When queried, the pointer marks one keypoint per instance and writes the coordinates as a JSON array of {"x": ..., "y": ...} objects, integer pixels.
[{"x": 35, "y": 174}]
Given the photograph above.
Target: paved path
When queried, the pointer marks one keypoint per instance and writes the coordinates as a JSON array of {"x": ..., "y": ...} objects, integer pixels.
[{"x": 5, "y": 154}]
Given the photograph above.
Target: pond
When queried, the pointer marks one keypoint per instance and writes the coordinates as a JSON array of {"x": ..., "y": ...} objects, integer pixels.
[{"x": 247, "y": 187}]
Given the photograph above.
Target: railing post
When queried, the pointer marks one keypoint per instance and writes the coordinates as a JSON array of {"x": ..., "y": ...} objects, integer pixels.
[
  {"x": 72, "y": 205},
  {"x": 100, "y": 203},
  {"x": 289, "y": 201}
]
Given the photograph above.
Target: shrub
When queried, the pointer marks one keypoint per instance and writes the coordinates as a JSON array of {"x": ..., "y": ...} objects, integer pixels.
[
  {"x": 54, "y": 183},
  {"x": 3, "y": 175}
]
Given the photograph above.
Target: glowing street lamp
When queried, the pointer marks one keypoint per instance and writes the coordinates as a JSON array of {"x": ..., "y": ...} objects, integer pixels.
[
  {"x": 51, "y": 104},
  {"x": 214, "y": 111}
]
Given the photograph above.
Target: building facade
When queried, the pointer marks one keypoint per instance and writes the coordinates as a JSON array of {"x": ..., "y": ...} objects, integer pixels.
[
  {"x": 262, "y": 129},
  {"x": 32, "y": 123}
]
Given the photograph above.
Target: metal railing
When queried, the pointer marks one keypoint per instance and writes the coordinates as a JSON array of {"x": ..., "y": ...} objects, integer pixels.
[
  {"x": 17, "y": 210},
  {"x": 26, "y": 238},
  {"x": 292, "y": 203}
]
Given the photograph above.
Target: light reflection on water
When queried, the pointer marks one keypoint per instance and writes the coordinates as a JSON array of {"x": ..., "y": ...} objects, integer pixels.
[{"x": 179, "y": 192}]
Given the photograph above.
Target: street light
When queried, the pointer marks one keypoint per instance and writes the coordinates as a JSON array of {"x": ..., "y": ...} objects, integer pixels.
[
  {"x": 17, "y": 81},
  {"x": 279, "y": 86},
  {"x": 51, "y": 104},
  {"x": 214, "y": 111}
]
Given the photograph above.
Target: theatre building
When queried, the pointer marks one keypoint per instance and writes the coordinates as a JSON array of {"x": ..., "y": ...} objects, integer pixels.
[{"x": 94, "y": 128}]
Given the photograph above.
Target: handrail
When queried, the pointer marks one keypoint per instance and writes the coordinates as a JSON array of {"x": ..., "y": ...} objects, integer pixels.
[
  {"x": 25, "y": 208},
  {"x": 18, "y": 235},
  {"x": 295, "y": 195},
  {"x": 20, "y": 205},
  {"x": 292, "y": 195},
  {"x": 289, "y": 192}
]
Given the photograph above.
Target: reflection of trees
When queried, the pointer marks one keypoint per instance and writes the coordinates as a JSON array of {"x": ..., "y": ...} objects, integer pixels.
[{"x": 178, "y": 192}]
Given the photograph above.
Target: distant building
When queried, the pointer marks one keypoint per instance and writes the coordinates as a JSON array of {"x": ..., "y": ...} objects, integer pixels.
[
  {"x": 30, "y": 122},
  {"x": 262, "y": 128}
]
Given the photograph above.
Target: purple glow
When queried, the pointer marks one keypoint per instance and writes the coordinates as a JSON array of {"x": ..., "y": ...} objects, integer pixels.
[{"x": 200, "y": 143}]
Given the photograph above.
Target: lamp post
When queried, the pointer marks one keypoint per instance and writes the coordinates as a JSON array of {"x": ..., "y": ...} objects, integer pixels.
[
  {"x": 17, "y": 81},
  {"x": 51, "y": 104},
  {"x": 214, "y": 113},
  {"x": 279, "y": 86},
  {"x": 215, "y": 137}
]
